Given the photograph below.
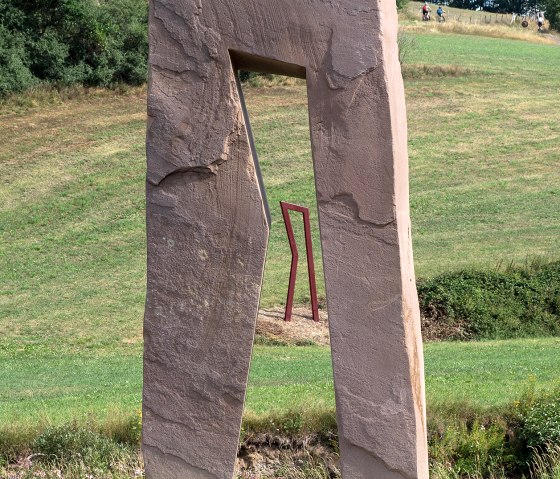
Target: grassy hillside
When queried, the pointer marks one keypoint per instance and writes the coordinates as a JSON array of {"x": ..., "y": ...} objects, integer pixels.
[
  {"x": 484, "y": 118},
  {"x": 484, "y": 183},
  {"x": 484, "y": 133},
  {"x": 484, "y": 153}
]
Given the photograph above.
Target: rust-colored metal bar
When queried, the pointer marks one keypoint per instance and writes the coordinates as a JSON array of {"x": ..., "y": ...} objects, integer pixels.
[{"x": 286, "y": 207}]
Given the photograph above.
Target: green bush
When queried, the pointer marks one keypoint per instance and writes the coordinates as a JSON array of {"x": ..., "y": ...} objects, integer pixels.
[
  {"x": 464, "y": 440},
  {"x": 401, "y": 4},
  {"x": 67, "y": 443},
  {"x": 541, "y": 422},
  {"x": 470, "y": 442},
  {"x": 69, "y": 42},
  {"x": 552, "y": 8},
  {"x": 518, "y": 302},
  {"x": 14, "y": 63},
  {"x": 471, "y": 450}
]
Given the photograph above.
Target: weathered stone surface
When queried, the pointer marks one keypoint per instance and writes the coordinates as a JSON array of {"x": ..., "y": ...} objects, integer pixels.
[{"x": 207, "y": 229}]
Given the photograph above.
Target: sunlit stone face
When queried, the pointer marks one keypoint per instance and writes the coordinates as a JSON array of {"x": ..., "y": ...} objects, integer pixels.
[{"x": 207, "y": 229}]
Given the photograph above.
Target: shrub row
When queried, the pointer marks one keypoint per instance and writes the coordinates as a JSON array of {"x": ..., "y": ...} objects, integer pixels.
[
  {"x": 513, "y": 303},
  {"x": 68, "y": 42},
  {"x": 488, "y": 444}
]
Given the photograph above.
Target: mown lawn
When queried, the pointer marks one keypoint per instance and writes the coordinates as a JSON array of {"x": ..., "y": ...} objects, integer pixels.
[
  {"x": 51, "y": 386},
  {"x": 485, "y": 188},
  {"x": 484, "y": 374}
]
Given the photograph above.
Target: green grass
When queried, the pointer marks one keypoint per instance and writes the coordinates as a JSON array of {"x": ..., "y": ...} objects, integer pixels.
[
  {"x": 489, "y": 373},
  {"x": 40, "y": 386},
  {"x": 484, "y": 155},
  {"x": 485, "y": 374}
]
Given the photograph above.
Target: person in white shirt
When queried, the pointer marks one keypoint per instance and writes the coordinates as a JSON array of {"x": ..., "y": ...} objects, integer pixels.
[{"x": 540, "y": 21}]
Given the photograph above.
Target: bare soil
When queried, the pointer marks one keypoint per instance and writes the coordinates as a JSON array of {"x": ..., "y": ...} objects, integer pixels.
[
  {"x": 300, "y": 330},
  {"x": 268, "y": 456}
]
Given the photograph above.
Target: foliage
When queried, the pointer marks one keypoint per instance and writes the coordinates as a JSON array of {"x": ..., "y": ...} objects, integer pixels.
[
  {"x": 72, "y": 451},
  {"x": 66, "y": 42},
  {"x": 546, "y": 464},
  {"x": 517, "y": 302},
  {"x": 463, "y": 442},
  {"x": 521, "y": 7},
  {"x": 407, "y": 46},
  {"x": 14, "y": 69},
  {"x": 473, "y": 449},
  {"x": 66, "y": 443},
  {"x": 401, "y": 4},
  {"x": 541, "y": 420},
  {"x": 552, "y": 11}
]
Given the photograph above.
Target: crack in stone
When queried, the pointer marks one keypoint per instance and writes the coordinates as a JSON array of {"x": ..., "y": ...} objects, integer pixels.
[
  {"x": 211, "y": 169},
  {"x": 347, "y": 199},
  {"x": 161, "y": 69},
  {"x": 384, "y": 304},
  {"x": 385, "y": 410},
  {"x": 166, "y": 28}
]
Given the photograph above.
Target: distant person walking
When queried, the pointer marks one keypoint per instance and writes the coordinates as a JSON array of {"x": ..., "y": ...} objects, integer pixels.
[
  {"x": 440, "y": 14},
  {"x": 540, "y": 21}
]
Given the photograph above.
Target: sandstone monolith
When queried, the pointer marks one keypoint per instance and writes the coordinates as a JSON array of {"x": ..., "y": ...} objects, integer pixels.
[{"x": 207, "y": 229}]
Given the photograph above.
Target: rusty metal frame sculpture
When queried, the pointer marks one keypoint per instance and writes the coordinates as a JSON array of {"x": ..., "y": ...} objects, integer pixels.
[{"x": 286, "y": 207}]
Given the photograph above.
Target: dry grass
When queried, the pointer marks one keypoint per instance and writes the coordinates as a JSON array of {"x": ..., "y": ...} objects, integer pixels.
[
  {"x": 492, "y": 31},
  {"x": 424, "y": 71},
  {"x": 269, "y": 80},
  {"x": 547, "y": 465},
  {"x": 43, "y": 96}
]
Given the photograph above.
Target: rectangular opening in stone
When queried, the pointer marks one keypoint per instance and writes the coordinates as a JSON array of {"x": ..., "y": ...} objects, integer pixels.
[{"x": 291, "y": 373}]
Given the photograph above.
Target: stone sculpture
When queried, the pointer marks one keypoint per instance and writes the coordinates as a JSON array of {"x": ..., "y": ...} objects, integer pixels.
[{"x": 207, "y": 229}]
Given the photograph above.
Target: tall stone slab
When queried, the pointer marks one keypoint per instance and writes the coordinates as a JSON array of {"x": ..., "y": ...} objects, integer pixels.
[{"x": 208, "y": 231}]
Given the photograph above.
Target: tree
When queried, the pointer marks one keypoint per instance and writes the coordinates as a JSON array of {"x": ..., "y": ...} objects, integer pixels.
[
  {"x": 552, "y": 13},
  {"x": 14, "y": 63},
  {"x": 66, "y": 42},
  {"x": 401, "y": 4},
  {"x": 521, "y": 7}
]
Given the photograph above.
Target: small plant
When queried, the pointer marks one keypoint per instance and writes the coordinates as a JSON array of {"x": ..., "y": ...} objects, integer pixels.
[
  {"x": 123, "y": 428},
  {"x": 407, "y": 46},
  {"x": 401, "y": 4},
  {"x": 73, "y": 443},
  {"x": 541, "y": 423},
  {"x": 476, "y": 449},
  {"x": 547, "y": 465}
]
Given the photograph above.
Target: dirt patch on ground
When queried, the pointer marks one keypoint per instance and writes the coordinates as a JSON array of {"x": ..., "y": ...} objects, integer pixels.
[
  {"x": 268, "y": 456},
  {"x": 300, "y": 330}
]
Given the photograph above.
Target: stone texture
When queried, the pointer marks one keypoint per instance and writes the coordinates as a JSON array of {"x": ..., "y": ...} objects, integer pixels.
[{"x": 207, "y": 229}]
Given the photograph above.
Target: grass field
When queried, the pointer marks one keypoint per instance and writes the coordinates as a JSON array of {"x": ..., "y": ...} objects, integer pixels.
[
  {"x": 485, "y": 188},
  {"x": 40, "y": 386},
  {"x": 485, "y": 374}
]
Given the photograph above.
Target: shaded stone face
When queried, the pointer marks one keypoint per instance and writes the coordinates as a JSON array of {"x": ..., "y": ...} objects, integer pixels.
[{"x": 207, "y": 229}]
